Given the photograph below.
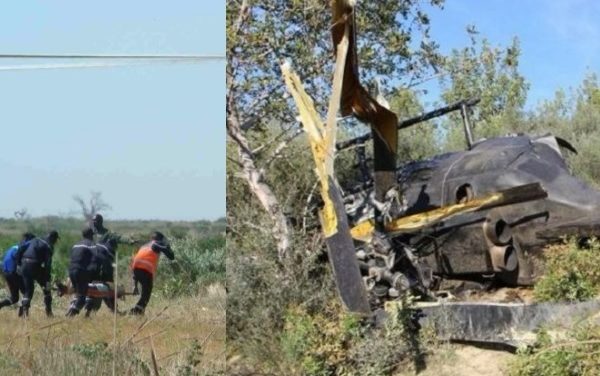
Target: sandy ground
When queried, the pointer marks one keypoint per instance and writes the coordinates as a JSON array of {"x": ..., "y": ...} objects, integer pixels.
[
  {"x": 458, "y": 360},
  {"x": 464, "y": 360}
]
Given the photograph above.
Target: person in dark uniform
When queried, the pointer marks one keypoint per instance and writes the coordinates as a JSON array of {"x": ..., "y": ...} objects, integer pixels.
[
  {"x": 103, "y": 256},
  {"x": 35, "y": 263},
  {"x": 101, "y": 233},
  {"x": 80, "y": 270},
  {"x": 144, "y": 265},
  {"x": 14, "y": 281}
]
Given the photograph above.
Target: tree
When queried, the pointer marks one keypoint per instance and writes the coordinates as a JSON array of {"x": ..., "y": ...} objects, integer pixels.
[
  {"x": 394, "y": 43},
  {"x": 22, "y": 215},
  {"x": 93, "y": 206},
  {"x": 419, "y": 141},
  {"x": 491, "y": 74},
  {"x": 574, "y": 116}
]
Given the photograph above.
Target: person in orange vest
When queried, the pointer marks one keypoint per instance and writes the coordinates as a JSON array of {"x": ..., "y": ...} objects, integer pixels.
[{"x": 144, "y": 265}]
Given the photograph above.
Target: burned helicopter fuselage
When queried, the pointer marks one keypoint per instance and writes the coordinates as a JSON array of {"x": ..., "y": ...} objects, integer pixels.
[
  {"x": 499, "y": 243},
  {"x": 477, "y": 214}
]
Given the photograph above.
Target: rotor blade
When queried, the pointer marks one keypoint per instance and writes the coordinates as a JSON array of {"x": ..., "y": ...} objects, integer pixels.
[
  {"x": 415, "y": 120},
  {"x": 356, "y": 101},
  {"x": 511, "y": 325},
  {"x": 334, "y": 221},
  {"x": 415, "y": 222}
]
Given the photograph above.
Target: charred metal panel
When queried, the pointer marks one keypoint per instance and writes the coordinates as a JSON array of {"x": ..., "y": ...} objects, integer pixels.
[
  {"x": 465, "y": 251},
  {"x": 462, "y": 249}
]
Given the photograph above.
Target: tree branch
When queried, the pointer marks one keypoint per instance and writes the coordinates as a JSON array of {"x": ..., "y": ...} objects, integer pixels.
[
  {"x": 251, "y": 173},
  {"x": 281, "y": 146}
]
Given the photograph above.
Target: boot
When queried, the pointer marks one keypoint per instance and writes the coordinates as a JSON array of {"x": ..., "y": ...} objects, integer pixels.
[
  {"x": 24, "y": 308},
  {"x": 137, "y": 310},
  {"x": 23, "y": 311},
  {"x": 72, "y": 312},
  {"x": 110, "y": 303},
  {"x": 48, "y": 304}
]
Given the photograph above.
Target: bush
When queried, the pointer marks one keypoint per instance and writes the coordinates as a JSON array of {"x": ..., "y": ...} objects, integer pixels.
[
  {"x": 572, "y": 272},
  {"x": 318, "y": 343},
  {"x": 577, "y": 354},
  {"x": 335, "y": 342},
  {"x": 92, "y": 351},
  {"x": 261, "y": 295},
  {"x": 198, "y": 262}
]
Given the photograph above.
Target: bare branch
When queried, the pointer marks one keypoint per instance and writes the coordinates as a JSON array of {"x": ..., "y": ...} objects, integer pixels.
[
  {"x": 21, "y": 215},
  {"x": 246, "y": 159},
  {"x": 95, "y": 204},
  {"x": 254, "y": 178},
  {"x": 281, "y": 146}
]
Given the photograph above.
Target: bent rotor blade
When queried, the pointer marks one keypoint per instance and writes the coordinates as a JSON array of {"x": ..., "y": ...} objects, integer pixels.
[
  {"x": 334, "y": 221},
  {"x": 342, "y": 258},
  {"x": 355, "y": 100},
  {"x": 412, "y": 223}
]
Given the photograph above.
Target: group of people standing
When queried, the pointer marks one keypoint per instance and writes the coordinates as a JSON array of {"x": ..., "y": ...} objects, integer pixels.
[{"x": 91, "y": 260}]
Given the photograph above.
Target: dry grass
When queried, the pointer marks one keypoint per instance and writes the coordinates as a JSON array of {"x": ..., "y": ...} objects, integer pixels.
[{"x": 187, "y": 336}]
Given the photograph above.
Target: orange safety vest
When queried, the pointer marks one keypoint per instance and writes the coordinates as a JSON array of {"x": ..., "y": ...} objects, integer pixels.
[{"x": 146, "y": 259}]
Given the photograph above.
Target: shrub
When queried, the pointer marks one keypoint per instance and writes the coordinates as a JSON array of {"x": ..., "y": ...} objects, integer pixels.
[
  {"x": 91, "y": 351},
  {"x": 198, "y": 262},
  {"x": 261, "y": 294},
  {"x": 318, "y": 343},
  {"x": 577, "y": 354},
  {"x": 571, "y": 274},
  {"x": 335, "y": 342}
]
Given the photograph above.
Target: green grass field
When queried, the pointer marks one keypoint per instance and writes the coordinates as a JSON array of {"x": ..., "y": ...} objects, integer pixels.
[{"x": 182, "y": 332}]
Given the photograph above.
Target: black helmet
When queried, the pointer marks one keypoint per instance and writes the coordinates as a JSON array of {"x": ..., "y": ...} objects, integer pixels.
[{"x": 97, "y": 219}]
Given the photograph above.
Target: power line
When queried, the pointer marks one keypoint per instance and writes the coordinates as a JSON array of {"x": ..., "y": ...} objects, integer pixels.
[
  {"x": 87, "y": 61},
  {"x": 111, "y": 56},
  {"x": 100, "y": 64}
]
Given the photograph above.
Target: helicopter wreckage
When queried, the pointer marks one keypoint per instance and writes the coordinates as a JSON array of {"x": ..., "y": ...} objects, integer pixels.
[
  {"x": 482, "y": 214},
  {"x": 495, "y": 243}
]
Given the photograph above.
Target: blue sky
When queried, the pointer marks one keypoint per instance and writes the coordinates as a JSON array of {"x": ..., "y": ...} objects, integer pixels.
[
  {"x": 560, "y": 39},
  {"x": 151, "y": 138}
]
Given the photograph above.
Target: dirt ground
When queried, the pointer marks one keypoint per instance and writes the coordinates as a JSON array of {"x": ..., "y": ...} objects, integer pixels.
[
  {"x": 465, "y": 360},
  {"x": 459, "y": 360}
]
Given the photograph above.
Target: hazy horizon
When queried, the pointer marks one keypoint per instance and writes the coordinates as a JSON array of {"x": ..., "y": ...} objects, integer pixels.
[{"x": 110, "y": 219}]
